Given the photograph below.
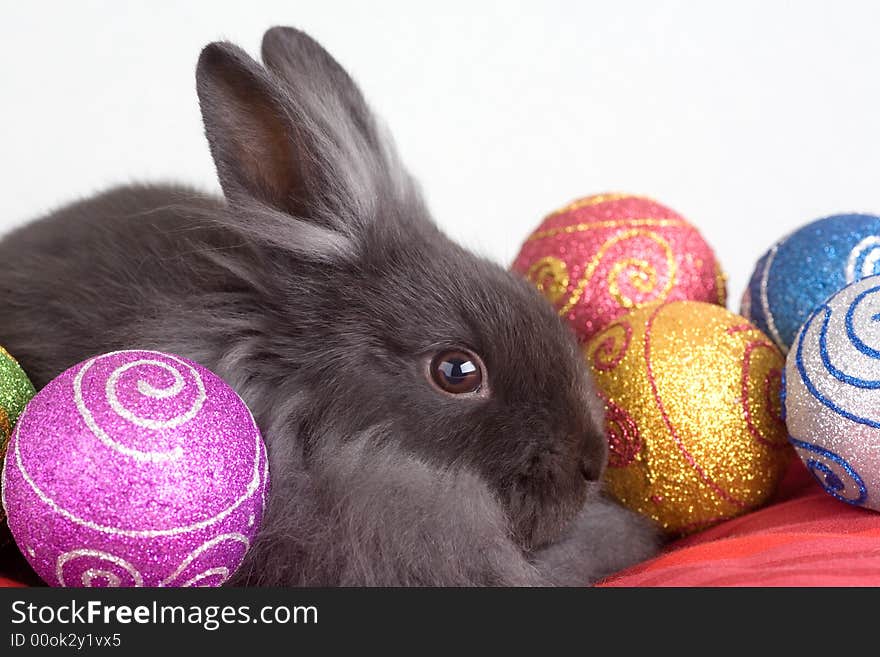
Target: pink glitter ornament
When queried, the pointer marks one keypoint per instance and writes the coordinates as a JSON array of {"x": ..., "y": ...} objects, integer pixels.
[
  {"x": 601, "y": 256},
  {"x": 135, "y": 468}
]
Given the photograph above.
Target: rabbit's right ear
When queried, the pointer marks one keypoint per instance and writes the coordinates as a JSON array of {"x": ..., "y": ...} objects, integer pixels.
[
  {"x": 251, "y": 131},
  {"x": 316, "y": 79}
]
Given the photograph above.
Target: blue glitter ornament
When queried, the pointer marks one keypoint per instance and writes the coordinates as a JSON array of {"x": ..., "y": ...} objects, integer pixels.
[
  {"x": 803, "y": 269},
  {"x": 831, "y": 394}
]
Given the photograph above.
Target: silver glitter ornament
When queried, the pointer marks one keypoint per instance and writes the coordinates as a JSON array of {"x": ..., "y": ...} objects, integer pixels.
[{"x": 832, "y": 394}]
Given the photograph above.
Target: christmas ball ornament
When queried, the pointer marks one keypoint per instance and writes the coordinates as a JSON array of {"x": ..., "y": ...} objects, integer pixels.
[
  {"x": 135, "y": 468},
  {"x": 806, "y": 267},
  {"x": 832, "y": 394},
  {"x": 692, "y": 413},
  {"x": 16, "y": 391},
  {"x": 601, "y": 256}
]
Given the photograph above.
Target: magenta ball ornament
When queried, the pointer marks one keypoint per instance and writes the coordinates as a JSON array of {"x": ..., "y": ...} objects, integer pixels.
[{"x": 135, "y": 468}]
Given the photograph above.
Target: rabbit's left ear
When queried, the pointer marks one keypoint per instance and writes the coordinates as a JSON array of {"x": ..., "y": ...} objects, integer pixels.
[{"x": 252, "y": 131}]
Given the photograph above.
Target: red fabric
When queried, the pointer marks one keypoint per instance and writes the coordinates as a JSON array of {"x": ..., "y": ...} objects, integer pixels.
[
  {"x": 804, "y": 538},
  {"x": 6, "y": 583}
]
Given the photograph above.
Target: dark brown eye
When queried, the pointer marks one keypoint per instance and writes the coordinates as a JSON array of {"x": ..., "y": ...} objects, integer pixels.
[{"x": 457, "y": 372}]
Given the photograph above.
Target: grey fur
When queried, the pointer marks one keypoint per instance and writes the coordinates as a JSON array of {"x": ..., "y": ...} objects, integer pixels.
[{"x": 318, "y": 289}]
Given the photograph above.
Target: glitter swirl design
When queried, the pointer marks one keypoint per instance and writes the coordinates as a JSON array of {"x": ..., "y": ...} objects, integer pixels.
[
  {"x": 859, "y": 354},
  {"x": 863, "y": 259},
  {"x": 137, "y": 533},
  {"x": 768, "y": 413},
  {"x": 199, "y": 567},
  {"x": 833, "y": 473},
  {"x": 624, "y": 442},
  {"x": 612, "y": 347},
  {"x": 145, "y": 387},
  {"x": 96, "y": 568},
  {"x": 641, "y": 275},
  {"x": 550, "y": 276},
  {"x": 765, "y": 300},
  {"x": 171, "y": 475}
]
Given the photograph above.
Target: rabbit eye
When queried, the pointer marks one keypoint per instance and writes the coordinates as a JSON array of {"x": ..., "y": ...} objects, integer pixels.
[{"x": 457, "y": 372}]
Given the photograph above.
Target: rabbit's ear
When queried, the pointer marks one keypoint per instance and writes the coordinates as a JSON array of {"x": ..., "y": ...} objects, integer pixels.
[
  {"x": 311, "y": 74},
  {"x": 249, "y": 125}
]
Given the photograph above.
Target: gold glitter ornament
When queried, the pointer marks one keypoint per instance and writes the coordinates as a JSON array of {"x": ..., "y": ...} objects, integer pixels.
[
  {"x": 16, "y": 391},
  {"x": 692, "y": 413}
]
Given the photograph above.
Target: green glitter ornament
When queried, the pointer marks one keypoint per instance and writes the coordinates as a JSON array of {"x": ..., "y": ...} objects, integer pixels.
[{"x": 16, "y": 391}]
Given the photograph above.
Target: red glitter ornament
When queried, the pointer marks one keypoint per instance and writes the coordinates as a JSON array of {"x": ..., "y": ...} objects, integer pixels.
[{"x": 603, "y": 255}]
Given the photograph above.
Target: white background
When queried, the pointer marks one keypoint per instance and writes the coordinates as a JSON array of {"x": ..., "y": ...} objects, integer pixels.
[{"x": 749, "y": 118}]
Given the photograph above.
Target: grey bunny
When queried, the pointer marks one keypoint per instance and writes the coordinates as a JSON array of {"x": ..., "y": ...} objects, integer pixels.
[{"x": 429, "y": 419}]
